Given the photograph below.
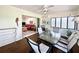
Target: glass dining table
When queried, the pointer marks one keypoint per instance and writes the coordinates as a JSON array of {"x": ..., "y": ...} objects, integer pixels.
[{"x": 47, "y": 36}]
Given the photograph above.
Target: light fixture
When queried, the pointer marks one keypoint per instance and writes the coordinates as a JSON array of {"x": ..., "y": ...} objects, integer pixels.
[{"x": 45, "y": 12}]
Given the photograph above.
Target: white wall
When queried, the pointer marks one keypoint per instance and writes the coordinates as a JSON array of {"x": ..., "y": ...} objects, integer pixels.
[
  {"x": 63, "y": 14},
  {"x": 8, "y": 14}
]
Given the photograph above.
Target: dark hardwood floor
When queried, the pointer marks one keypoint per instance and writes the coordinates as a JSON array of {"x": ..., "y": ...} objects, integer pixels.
[{"x": 22, "y": 46}]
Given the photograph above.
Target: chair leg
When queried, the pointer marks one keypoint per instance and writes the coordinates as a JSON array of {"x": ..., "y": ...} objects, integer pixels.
[
  {"x": 71, "y": 51},
  {"x": 50, "y": 50},
  {"x": 56, "y": 50},
  {"x": 32, "y": 51}
]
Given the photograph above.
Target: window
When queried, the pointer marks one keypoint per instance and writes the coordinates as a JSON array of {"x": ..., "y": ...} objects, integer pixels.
[
  {"x": 53, "y": 22},
  {"x": 64, "y": 22},
  {"x": 71, "y": 22},
  {"x": 58, "y": 22}
]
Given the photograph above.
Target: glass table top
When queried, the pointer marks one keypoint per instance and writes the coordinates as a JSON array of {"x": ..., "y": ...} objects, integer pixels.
[{"x": 48, "y": 37}]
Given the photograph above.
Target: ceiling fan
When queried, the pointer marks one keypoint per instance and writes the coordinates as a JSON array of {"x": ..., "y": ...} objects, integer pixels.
[{"x": 45, "y": 8}]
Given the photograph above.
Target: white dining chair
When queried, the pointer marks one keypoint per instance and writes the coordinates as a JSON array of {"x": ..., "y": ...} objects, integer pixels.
[
  {"x": 66, "y": 39},
  {"x": 38, "y": 48},
  {"x": 40, "y": 31},
  {"x": 66, "y": 48}
]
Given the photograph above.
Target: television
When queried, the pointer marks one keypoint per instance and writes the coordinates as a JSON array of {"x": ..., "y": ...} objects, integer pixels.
[{"x": 23, "y": 23}]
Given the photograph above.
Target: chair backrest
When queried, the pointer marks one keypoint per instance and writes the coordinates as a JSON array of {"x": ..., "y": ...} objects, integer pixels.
[
  {"x": 33, "y": 45},
  {"x": 71, "y": 36},
  {"x": 56, "y": 29},
  {"x": 73, "y": 41},
  {"x": 40, "y": 31},
  {"x": 55, "y": 35}
]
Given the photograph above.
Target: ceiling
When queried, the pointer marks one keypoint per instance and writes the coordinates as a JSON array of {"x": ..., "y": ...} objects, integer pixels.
[{"x": 51, "y": 8}]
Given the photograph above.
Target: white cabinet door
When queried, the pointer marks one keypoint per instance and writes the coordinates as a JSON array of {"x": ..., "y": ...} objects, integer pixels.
[{"x": 7, "y": 36}]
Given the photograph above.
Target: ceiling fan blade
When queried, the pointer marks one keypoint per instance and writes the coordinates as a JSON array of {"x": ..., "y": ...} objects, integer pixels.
[{"x": 44, "y": 8}]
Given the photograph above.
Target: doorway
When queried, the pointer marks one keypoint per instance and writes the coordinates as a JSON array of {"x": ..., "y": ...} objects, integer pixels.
[{"x": 29, "y": 25}]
